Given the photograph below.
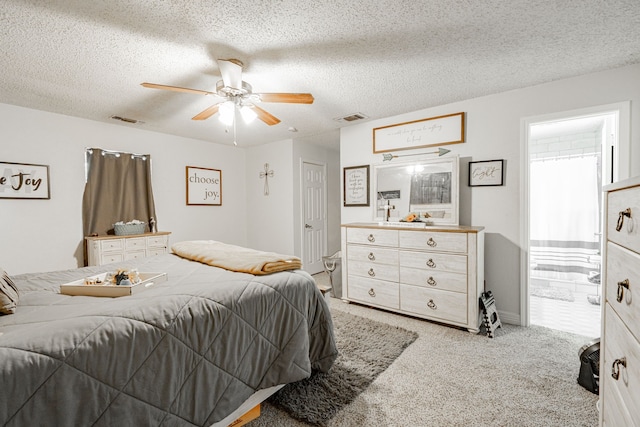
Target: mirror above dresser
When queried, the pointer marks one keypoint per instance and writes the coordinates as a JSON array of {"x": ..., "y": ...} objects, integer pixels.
[{"x": 428, "y": 188}]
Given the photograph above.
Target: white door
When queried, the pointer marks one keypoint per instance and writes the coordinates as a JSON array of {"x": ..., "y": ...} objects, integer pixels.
[{"x": 313, "y": 217}]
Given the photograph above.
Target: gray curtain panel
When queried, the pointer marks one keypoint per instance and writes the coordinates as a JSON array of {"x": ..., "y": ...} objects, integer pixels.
[{"x": 118, "y": 188}]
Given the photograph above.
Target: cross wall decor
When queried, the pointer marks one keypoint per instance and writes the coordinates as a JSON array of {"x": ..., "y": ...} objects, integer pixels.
[{"x": 266, "y": 174}]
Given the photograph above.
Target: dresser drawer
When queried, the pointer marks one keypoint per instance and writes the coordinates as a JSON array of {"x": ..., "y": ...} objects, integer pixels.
[
  {"x": 112, "y": 245},
  {"x": 437, "y": 304},
  {"x": 434, "y": 241},
  {"x": 443, "y": 280},
  {"x": 373, "y": 271},
  {"x": 135, "y": 243},
  {"x": 374, "y": 292},
  {"x": 134, "y": 254},
  {"x": 614, "y": 413},
  {"x": 629, "y": 234},
  {"x": 372, "y": 236},
  {"x": 618, "y": 344},
  {"x": 623, "y": 267},
  {"x": 372, "y": 254},
  {"x": 108, "y": 258},
  {"x": 156, "y": 241},
  {"x": 156, "y": 251},
  {"x": 434, "y": 261}
]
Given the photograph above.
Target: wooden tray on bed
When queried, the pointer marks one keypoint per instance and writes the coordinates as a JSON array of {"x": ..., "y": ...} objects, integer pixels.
[{"x": 77, "y": 287}]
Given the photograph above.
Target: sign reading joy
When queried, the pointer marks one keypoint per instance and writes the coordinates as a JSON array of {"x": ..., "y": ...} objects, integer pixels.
[
  {"x": 24, "y": 181},
  {"x": 204, "y": 186}
]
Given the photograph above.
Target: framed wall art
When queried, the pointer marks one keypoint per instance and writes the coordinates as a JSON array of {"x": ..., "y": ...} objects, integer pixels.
[
  {"x": 204, "y": 186},
  {"x": 486, "y": 173},
  {"x": 24, "y": 181},
  {"x": 441, "y": 130},
  {"x": 356, "y": 185}
]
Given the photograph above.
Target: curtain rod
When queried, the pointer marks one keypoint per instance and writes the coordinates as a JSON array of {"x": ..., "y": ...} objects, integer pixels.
[{"x": 118, "y": 153}]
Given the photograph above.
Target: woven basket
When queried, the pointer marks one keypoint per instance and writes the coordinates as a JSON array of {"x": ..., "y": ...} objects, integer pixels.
[{"x": 128, "y": 229}]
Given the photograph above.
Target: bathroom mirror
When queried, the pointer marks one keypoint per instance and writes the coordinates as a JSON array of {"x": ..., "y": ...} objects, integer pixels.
[{"x": 428, "y": 188}]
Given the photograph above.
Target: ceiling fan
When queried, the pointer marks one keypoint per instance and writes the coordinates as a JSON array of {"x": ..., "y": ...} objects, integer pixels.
[{"x": 236, "y": 95}]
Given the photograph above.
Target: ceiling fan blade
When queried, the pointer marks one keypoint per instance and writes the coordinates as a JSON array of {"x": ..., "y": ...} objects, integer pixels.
[
  {"x": 264, "y": 115},
  {"x": 231, "y": 70},
  {"x": 292, "y": 98},
  {"x": 176, "y": 89},
  {"x": 205, "y": 114}
]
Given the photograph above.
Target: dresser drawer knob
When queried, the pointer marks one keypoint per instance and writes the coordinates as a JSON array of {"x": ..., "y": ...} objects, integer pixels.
[
  {"x": 371, "y": 272},
  {"x": 621, "y": 287},
  {"x": 431, "y": 264},
  {"x": 371, "y": 256},
  {"x": 431, "y": 281},
  {"x": 371, "y": 238},
  {"x": 372, "y": 293},
  {"x": 432, "y": 305},
  {"x": 615, "y": 368},
  {"x": 432, "y": 242},
  {"x": 621, "y": 215}
]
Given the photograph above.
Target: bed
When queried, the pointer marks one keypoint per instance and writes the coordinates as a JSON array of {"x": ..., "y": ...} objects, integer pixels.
[{"x": 186, "y": 352}]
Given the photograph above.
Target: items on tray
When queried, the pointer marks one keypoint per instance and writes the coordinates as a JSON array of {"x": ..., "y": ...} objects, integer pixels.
[{"x": 121, "y": 277}]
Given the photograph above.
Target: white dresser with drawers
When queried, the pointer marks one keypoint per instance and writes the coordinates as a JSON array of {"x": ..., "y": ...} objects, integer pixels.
[
  {"x": 620, "y": 340},
  {"x": 434, "y": 273},
  {"x": 107, "y": 249}
]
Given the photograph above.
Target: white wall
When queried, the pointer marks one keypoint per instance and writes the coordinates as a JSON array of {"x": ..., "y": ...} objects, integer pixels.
[
  {"x": 44, "y": 235},
  {"x": 274, "y": 221},
  {"x": 270, "y": 218},
  {"x": 493, "y": 129}
]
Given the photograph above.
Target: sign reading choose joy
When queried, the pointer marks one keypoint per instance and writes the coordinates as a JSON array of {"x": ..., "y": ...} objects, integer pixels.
[{"x": 204, "y": 186}]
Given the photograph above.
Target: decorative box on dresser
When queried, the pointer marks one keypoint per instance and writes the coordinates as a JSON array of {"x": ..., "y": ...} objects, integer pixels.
[
  {"x": 435, "y": 272},
  {"x": 107, "y": 249},
  {"x": 620, "y": 340}
]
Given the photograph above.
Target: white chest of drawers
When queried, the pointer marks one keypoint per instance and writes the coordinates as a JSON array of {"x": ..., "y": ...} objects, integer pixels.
[
  {"x": 620, "y": 340},
  {"x": 435, "y": 273},
  {"x": 107, "y": 249}
]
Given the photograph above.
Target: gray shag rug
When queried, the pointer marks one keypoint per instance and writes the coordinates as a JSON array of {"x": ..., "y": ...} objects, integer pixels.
[{"x": 366, "y": 348}]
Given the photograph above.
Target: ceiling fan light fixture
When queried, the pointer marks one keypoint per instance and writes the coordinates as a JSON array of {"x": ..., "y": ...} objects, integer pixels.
[
  {"x": 248, "y": 115},
  {"x": 227, "y": 112}
]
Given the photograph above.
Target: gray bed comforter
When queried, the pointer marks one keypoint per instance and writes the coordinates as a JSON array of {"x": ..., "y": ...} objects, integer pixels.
[{"x": 184, "y": 352}]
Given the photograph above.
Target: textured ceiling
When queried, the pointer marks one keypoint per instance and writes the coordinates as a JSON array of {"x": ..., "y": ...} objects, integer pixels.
[{"x": 381, "y": 58}]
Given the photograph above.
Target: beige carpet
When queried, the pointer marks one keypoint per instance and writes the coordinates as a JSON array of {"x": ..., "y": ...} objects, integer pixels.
[{"x": 449, "y": 377}]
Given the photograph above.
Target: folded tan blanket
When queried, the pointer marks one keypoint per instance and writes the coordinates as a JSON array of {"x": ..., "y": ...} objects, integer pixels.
[{"x": 235, "y": 258}]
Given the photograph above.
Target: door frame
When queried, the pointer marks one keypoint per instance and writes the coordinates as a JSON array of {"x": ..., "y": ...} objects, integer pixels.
[
  {"x": 623, "y": 112},
  {"x": 325, "y": 242}
]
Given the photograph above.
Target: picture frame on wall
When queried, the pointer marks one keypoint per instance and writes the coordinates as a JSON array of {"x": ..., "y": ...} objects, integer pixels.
[
  {"x": 429, "y": 132},
  {"x": 24, "y": 181},
  {"x": 356, "y": 185},
  {"x": 204, "y": 186},
  {"x": 486, "y": 173}
]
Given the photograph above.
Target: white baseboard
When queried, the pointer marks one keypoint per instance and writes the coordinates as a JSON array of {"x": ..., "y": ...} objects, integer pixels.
[{"x": 510, "y": 318}]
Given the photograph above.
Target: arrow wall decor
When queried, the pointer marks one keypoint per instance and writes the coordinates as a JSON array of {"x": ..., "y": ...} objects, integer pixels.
[{"x": 387, "y": 157}]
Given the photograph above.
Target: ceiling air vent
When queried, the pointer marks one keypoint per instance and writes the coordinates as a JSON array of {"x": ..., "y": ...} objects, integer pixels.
[
  {"x": 127, "y": 120},
  {"x": 351, "y": 118}
]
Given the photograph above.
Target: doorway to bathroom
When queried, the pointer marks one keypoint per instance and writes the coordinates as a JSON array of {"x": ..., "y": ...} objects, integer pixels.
[{"x": 570, "y": 158}]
